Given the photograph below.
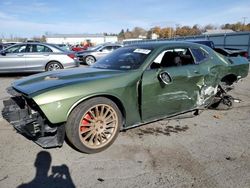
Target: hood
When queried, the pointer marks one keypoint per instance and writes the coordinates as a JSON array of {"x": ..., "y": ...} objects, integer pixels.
[
  {"x": 54, "y": 79},
  {"x": 84, "y": 52}
]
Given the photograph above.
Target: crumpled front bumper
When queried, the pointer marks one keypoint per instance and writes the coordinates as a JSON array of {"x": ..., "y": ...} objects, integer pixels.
[{"x": 29, "y": 121}]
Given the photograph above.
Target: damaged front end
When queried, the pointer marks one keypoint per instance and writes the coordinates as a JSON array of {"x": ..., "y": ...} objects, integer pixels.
[
  {"x": 28, "y": 120},
  {"x": 222, "y": 100}
]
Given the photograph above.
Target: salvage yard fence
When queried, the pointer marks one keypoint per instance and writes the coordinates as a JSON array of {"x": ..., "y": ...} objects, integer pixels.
[{"x": 237, "y": 40}]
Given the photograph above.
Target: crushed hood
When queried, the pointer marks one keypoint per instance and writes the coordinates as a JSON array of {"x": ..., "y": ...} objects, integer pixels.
[{"x": 54, "y": 79}]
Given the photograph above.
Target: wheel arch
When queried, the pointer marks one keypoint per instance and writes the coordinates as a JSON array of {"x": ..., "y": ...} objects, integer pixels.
[
  {"x": 229, "y": 79},
  {"x": 90, "y": 55},
  {"x": 115, "y": 99}
]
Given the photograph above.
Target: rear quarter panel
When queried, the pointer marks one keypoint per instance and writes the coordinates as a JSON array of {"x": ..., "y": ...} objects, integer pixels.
[{"x": 65, "y": 60}]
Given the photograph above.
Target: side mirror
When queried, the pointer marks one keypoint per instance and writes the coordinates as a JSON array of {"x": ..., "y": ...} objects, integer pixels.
[
  {"x": 165, "y": 77},
  {"x": 3, "y": 53}
]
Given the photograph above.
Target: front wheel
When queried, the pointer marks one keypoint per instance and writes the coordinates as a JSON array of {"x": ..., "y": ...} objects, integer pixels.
[
  {"x": 90, "y": 60},
  {"x": 94, "y": 125}
]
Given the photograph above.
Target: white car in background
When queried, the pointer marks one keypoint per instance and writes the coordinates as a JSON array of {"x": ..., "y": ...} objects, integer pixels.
[{"x": 35, "y": 57}]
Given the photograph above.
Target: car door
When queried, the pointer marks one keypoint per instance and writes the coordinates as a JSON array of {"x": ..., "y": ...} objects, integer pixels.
[
  {"x": 37, "y": 57},
  {"x": 169, "y": 88},
  {"x": 12, "y": 59}
]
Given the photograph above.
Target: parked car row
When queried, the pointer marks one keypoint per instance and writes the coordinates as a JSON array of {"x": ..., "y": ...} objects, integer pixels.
[
  {"x": 35, "y": 57},
  {"x": 92, "y": 54},
  {"x": 38, "y": 57}
]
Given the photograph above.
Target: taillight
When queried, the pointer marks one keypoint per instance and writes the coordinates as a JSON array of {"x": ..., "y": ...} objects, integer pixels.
[
  {"x": 245, "y": 55},
  {"x": 71, "y": 56}
]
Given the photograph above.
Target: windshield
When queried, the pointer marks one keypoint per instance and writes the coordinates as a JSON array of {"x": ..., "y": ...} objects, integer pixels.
[
  {"x": 128, "y": 58},
  {"x": 95, "y": 47}
]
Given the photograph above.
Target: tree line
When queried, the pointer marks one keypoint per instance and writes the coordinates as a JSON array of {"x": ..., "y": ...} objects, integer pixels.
[
  {"x": 170, "y": 32},
  {"x": 161, "y": 32}
]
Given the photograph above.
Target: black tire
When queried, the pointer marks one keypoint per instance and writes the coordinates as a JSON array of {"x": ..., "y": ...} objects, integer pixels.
[
  {"x": 89, "y": 60},
  {"x": 94, "y": 125},
  {"x": 53, "y": 65}
]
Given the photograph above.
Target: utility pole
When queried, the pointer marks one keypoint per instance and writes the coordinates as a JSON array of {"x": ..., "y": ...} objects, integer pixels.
[{"x": 244, "y": 22}]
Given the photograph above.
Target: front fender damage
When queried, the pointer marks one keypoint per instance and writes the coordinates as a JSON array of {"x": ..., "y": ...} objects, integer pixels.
[
  {"x": 222, "y": 100},
  {"x": 29, "y": 121}
]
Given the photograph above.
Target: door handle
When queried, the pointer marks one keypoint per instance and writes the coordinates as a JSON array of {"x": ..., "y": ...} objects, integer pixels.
[
  {"x": 19, "y": 55},
  {"x": 45, "y": 54}
]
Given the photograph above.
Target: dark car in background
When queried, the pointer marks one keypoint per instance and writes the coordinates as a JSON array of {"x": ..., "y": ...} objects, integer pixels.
[
  {"x": 64, "y": 47},
  {"x": 92, "y": 54},
  {"x": 35, "y": 57},
  {"x": 230, "y": 52},
  {"x": 5, "y": 45},
  {"x": 78, "y": 48}
]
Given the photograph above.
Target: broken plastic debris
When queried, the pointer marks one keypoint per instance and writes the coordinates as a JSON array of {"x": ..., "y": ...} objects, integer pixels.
[
  {"x": 237, "y": 100},
  {"x": 216, "y": 116}
]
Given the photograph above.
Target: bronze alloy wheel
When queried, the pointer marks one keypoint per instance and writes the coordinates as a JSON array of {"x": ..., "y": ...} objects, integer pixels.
[
  {"x": 98, "y": 126},
  {"x": 94, "y": 124}
]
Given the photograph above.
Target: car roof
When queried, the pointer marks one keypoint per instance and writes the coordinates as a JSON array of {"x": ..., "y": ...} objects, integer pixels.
[
  {"x": 158, "y": 44},
  {"x": 110, "y": 44},
  {"x": 38, "y": 43}
]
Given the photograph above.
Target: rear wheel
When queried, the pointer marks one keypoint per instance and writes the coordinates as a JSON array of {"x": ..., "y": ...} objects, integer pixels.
[
  {"x": 94, "y": 125},
  {"x": 90, "y": 60},
  {"x": 53, "y": 66}
]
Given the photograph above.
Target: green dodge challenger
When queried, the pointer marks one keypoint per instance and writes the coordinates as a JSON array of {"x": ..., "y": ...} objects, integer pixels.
[{"x": 134, "y": 85}]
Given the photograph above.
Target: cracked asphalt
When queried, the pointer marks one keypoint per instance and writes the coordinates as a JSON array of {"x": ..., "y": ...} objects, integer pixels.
[{"x": 209, "y": 150}]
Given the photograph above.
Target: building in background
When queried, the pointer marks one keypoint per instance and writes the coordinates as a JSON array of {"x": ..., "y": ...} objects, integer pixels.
[
  {"x": 217, "y": 31},
  {"x": 78, "y": 39}
]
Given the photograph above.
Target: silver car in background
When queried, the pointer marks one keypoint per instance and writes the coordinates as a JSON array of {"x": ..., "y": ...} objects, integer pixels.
[
  {"x": 91, "y": 55},
  {"x": 35, "y": 57}
]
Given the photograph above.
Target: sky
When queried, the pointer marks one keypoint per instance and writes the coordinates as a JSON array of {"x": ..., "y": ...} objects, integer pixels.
[{"x": 29, "y": 18}]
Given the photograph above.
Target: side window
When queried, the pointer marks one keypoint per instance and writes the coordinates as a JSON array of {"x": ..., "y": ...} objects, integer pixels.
[
  {"x": 173, "y": 57},
  {"x": 30, "y": 48},
  {"x": 16, "y": 49},
  {"x": 199, "y": 55},
  {"x": 115, "y": 47},
  {"x": 107, "y": 49},
  {"x": 41, "y": 48}
]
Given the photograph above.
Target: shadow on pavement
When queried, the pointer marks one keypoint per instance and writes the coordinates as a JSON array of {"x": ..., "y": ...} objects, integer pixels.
[
  {"x": 159, "y": 130},
  {"x": 60, "y": 176},
  {"x": 7, "y": 75}
]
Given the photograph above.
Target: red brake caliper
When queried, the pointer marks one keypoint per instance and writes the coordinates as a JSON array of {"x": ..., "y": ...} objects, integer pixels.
[{"x": 85, "y": 122}]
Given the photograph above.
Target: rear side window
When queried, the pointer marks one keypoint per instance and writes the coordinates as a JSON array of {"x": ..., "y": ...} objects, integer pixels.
[
  {"x": 107, "y": 48},
  {"x": 41, "y": 48},
  {"x": 199, "y": 55}
]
